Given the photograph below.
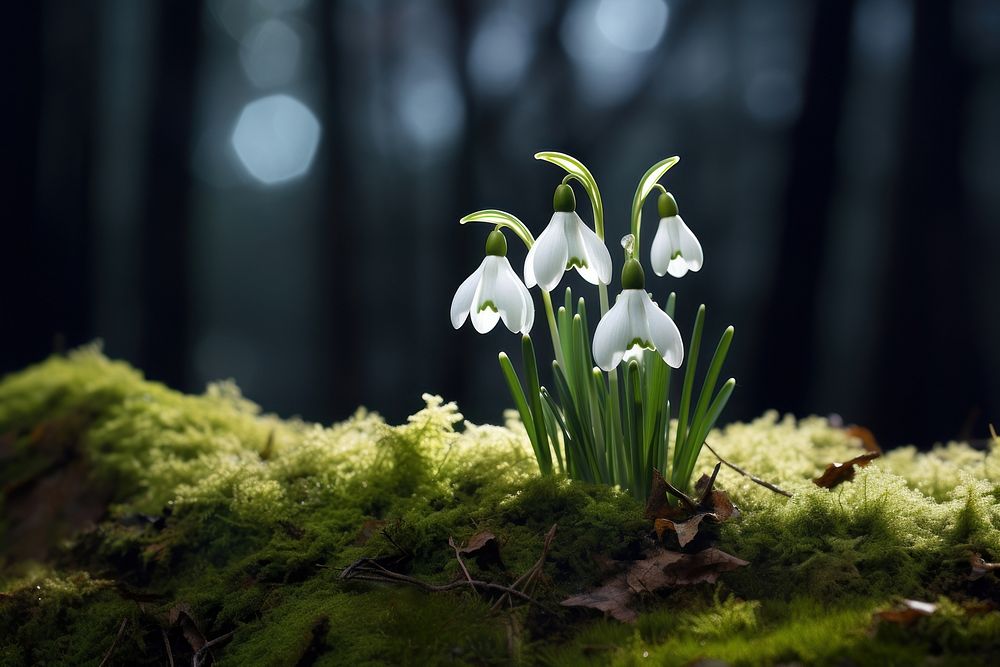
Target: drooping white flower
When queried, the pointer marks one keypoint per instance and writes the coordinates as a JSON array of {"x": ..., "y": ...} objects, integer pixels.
[
  {"x": 675, "y": 248},
  {"x": 635, "y": 323},
  {"x": 564, "y": 244},
  {"x": 493, "y": 292}
]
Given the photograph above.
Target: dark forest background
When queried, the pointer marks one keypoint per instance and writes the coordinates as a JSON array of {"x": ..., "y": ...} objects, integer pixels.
[{"x": 269, "y": 190}]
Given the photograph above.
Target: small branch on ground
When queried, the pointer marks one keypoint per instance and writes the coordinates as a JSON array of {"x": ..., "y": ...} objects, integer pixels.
[
  {"x": 527, "y": 580},
  {"x": 367, "y": 569},
  {"x": 170, "y": 651},
  {"x": 753, "y": 478},
  {"x": 203, "y": 652},
  {"x": 114, "y": 643},
  {"x": 461, "y": 563}
]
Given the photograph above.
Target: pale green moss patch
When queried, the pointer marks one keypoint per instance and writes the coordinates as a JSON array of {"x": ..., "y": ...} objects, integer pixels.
[{"x": 247, "y": 519}]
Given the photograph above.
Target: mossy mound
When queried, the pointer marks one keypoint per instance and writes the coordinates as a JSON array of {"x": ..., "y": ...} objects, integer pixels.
[{"x": 137, "y": 522}]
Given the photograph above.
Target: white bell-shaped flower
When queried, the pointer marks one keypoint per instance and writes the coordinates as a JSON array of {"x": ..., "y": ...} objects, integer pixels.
[
  {"x": 493, "y": 292},
  {"x": 635, "y": 323},
  {"x": 564, "y": 244},
  {"x": 675, "y": 249}
]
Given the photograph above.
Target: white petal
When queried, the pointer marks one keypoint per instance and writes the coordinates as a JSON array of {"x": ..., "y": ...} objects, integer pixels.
[
  {"x": 689, "y": 246},
  {"x": 612, "y": 335},
  {"x": 512, "y": 299},
  {"x": 638, "y": 329},
  {"x": 461, "y": 304},
  {"x": 550, "y": 254},
  {"x": 660, "y": 252},
  {"x": 485, "y": 318},
  {"x": 597, "y": 257},
  {"x": 678, "y": 265},
  {"x": 663, "y": 333},
  {"x": 678, "y": 268},
  {"x": 529, "y": 262}
]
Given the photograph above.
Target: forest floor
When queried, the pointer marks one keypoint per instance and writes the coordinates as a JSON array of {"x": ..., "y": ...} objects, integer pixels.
[{"x": 142, "y": 526}]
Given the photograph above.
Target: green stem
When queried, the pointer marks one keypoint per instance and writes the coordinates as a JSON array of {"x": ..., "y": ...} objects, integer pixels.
[{"x": 553, "y": 329}]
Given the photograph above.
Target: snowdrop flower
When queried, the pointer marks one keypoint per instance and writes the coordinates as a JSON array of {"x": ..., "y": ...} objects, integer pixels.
[
  {"x": 566, "y": 243},
  {"x": 675, "y": 249},
  {"x": 492, "y": 292},
  {"x": 635, "y": 323}
]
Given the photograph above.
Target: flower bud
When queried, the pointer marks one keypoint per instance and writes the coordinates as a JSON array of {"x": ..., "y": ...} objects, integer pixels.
[
  {"x": 564, "y": 200},
  {"x": 496, "y": 244},
  {"x": 666, "y": 205},
  {"x": 633, "y": 276}
]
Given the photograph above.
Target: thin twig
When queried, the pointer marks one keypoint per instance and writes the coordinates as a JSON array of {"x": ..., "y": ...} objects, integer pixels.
[
  {"x": 170, "y": 651},
  {"x": 753, "y": 478},
  {"x": 199, "y": 655},
  {"x": 528, "y": 578},
  {"x": 121, "y": 631},
  {"x": 372, "y": 571},
  {"x": 461, "y": 563}
]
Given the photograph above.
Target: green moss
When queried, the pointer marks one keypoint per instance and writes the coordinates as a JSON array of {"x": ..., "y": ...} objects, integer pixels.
[{"x": 247, "y": 520}]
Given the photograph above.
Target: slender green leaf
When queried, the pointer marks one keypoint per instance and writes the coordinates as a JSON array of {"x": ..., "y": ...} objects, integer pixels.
[
  {"x": 534, "y": 396},
  {"x": 492, "y": 216},
  {"x": 646, "y": 184},
  {"x": 684, "y": 409},
  {"x": 711, "y": 378},
  {"x": 580, "y": 172},
  {"x": 517, "y": 393}
]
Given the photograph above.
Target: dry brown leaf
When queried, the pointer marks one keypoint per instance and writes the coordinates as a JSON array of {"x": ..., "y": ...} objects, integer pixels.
[
  {"x": 180, "y": 615},
  {"x": 658, "y": 506},
  {"x": 866, "y": 437},
  {"x": 980, "y": 567},
  {"x": 612, "y": 597},
  {"x": 722, "y": 507},
  {"x": 906, "y": 612},
  {"x": 484, "y": 547},
  {"x": 659, "y": 570},
  {"x": 668, "y": 569},
  {"x": 685, "y": 530},
  {"x": 837, "y": 473}
]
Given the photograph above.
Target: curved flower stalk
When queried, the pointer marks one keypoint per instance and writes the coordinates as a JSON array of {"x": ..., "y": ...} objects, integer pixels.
[
  {"x": 636, "y": 323},
  {"x": 675, "y": 248},
  {"x": 592, "y": 426},
  {"x": 567, "y": 243},
  {"x": 493, "y": 292}
]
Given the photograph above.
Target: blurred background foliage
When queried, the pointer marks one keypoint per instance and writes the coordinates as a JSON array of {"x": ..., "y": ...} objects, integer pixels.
[{"x": 269, "y": 190}]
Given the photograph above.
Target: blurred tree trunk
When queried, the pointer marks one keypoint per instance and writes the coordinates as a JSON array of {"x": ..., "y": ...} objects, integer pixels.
[
  {"x": 341, "y": 246},
  {"x": 929, "y": 368},
  {"x": 790, "y": 321},
  {"x": 25, "y": 314},
  {"x": 165, "y": 246}
]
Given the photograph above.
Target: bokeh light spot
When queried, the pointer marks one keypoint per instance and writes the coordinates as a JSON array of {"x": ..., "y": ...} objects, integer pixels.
[
  {"x": 500, "y": 52},
  {"x": 632, "y": 25},
  {"x": 270, "y": 53},
  {"x": 276, "y": 138}
]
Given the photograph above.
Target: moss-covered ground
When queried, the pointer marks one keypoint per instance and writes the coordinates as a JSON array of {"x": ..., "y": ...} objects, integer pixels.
[{"x": 137, "y": 522}]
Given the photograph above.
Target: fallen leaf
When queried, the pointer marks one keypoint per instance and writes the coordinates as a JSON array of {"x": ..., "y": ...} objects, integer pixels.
[
  {"x": 658, "y": 505},
  {"x": 659, "y": 570},
  {"x": 836, "y": 473},
  {"x": 906, "y": 612},
  {"x": 685, "y": 530},
  {"x": 722, "y": 508},
  {"x": 180, "y": 615},
  {"x": 484, "y": 547},
  {"x": 980, "y": 567},
  {"x": 612, "y": 597},
  {"x": 866, "y": 437},
  {"x": 680, "y": 569}
]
